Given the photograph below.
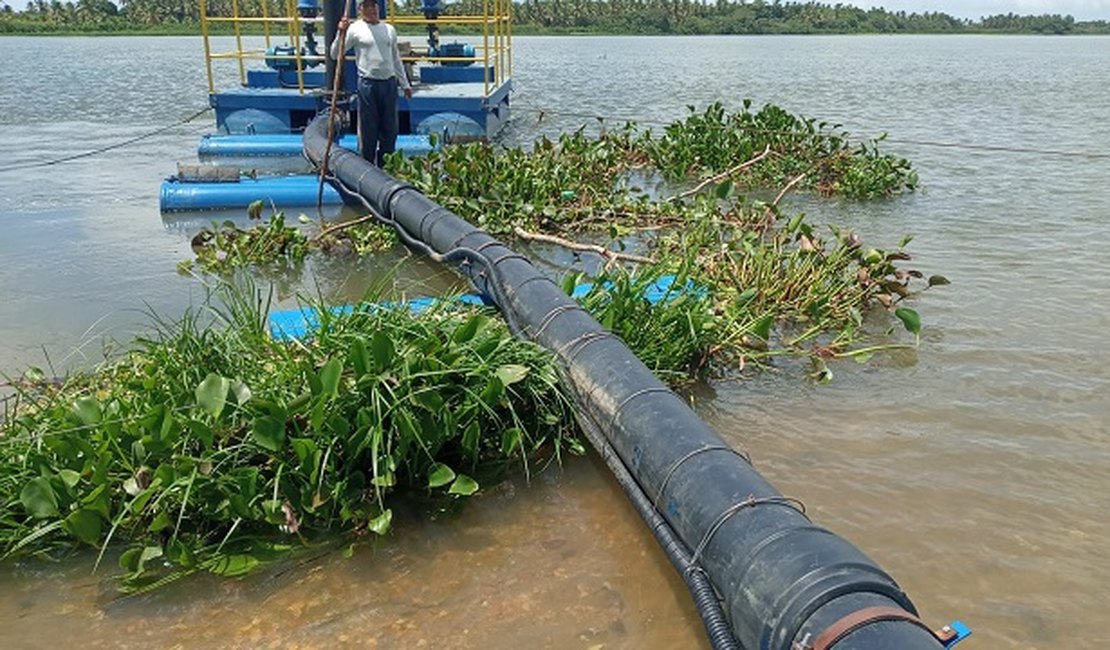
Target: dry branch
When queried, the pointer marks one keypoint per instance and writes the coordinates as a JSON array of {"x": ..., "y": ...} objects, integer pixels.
[
  {"x": 576, "y": 246},
  {"x": 725, "y": 174}
]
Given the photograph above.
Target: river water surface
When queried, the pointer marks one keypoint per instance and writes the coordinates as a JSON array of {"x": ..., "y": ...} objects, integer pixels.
[{"x": 975, "y": 469}]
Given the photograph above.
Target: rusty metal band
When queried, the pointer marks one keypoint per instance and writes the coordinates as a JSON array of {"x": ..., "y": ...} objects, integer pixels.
[{"x": 861, "y": 618}]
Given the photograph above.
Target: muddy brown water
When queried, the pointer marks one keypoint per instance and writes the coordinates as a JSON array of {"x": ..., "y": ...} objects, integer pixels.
[{"x": 975, "y": 469}]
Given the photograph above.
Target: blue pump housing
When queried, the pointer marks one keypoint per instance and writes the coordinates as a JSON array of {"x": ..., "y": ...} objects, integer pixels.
[
  {"x": 309, "y": 59},
  {"x": 456, "y": 50}
]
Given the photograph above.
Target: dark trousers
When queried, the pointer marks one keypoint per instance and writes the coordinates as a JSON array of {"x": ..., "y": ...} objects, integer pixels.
[{"x": 377, "y": 118}]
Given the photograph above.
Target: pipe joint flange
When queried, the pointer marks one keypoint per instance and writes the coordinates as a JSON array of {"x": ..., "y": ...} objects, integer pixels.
[{"x": 391, "y": 194}]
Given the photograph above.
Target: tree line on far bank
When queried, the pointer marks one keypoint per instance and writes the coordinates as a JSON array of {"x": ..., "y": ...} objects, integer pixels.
[{"x": 562, "y": 17}]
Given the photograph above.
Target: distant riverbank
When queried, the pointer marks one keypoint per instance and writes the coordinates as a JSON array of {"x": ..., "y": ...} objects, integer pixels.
[
  {"x": 524, "y": 30},
  {"x": 592, "y": 17}
]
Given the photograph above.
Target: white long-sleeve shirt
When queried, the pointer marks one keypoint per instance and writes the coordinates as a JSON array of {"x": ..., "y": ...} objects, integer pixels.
[{"x": 369, "y": 58}]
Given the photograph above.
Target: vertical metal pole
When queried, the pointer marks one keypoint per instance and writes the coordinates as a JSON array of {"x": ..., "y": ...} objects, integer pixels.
[
  {"x": 265, "y": 4},
  {"x": 238, "y": 41},
  {"x": 295, "y": 39},
  {"x": 207, "y": 46},
  {"x": 332, "y": 12},
  {"x": 496, "y": 42},
  {"x": 485, "y": 48}
]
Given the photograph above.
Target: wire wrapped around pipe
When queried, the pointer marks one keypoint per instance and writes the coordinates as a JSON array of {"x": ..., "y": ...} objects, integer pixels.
[{"x": 781, "y": 579}]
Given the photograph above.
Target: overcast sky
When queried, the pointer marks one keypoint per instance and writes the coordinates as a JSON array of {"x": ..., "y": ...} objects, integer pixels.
[{"x": 1081, "y": 9}]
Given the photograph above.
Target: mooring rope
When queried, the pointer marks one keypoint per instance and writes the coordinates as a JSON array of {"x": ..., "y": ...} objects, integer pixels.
[{"x": 86, "y": 154}]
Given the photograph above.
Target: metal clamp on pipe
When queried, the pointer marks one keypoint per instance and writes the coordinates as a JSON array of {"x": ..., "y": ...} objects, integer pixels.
[{"x": 948, "y": 636}]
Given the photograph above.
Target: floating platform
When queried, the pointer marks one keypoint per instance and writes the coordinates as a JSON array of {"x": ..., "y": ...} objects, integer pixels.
[
  {"x": 291, "y": 144},
  {"x": 281, "y": 191}
]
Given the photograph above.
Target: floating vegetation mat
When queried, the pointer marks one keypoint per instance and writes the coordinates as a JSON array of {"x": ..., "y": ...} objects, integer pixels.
[
  {"x": 213, "y": 447},
  {"x": 769, "y": 283}
]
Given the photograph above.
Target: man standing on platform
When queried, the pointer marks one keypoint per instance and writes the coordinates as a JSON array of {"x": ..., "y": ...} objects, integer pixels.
[{"x": 380, "y": 71}]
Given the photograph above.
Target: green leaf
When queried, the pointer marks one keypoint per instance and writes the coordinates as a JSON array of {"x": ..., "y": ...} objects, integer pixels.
[
  {"x": 268, "y": 432},
  {"x": 463, "y": 486},
  {"x": 511, "y": 373},
  {"x": 387, "y": 479},
  {"x": 180, "y": 554},
  {"x": 746, "y": 296},
  {"x": 129, "y": 559},
  {"x": 909, "y": 318},
  {"x": 305, "y": 448},
  {"x": 491, "y": 394},
  {"x": 84, "y": 524},
  {"x": 762, "y": 327},
  {"x": 99, "y": 500},
  {"x": 360, "y": 358},
  {"x": 795, "y": 222},
  {"x": 161, "y": 521},
  {"x": 149, "y": 553},
  {"x": 299, "y": 403},
  {"x": 467, "y": 330},
  {"x": 234, "y": 565},
  {"x": 440, "y": 475},
  {"x": 938, "y": 280},
  {"x": 510, "y": 440},
  {"x": 212, "y": 394},
  {"x": 381, "y": 346},
  {"x": 380, "y": 524},
  {"x": 724, "y": 190},
  {"x": 69, "y": 477},
  {"x": 87, "y": 410},
  {"x": 38, "y": 498},
  {"x": 470, "y": 440},
  {"x": 429, "y": 399},
  {"x": 241, "y": 392},
  {"x": 202, "y": 432},
  {"x": 329, "y": 378}
]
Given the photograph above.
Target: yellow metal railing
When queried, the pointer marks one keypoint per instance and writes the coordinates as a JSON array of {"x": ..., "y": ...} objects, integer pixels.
[
  {"x": 496, "y": 33},
  {"x": 494, "y": 53},
  {"x": 291, "y": 23}
]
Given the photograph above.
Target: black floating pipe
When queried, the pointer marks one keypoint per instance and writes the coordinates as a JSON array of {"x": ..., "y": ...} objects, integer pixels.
[{"x": 785, "y": 583}]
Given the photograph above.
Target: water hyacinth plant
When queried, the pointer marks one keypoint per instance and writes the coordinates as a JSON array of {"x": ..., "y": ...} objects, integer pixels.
[
  {"x": 714, "y": 141},
  {"x": 577, "y": 183},
  {"x": 213, "y": 447},
  {"x": 765, "y": 273}
]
